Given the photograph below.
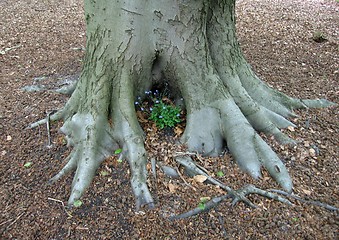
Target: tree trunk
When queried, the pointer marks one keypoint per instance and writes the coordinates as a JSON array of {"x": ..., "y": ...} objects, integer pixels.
[{"x": 192, "y": 46}]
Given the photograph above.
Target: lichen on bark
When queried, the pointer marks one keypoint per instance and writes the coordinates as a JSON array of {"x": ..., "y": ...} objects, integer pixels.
[{"x": 192, "y": 45}]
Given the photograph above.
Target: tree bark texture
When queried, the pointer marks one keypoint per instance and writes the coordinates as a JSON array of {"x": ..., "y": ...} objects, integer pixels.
[{"x": 192, "y": 46}]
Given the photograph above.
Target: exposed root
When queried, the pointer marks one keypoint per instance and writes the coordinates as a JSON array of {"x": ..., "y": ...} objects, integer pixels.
[
  {"x": 311, "y": 202},
  {"x": 53, "y": 117},
  {"x": 237, "y": 196},
  {"x": 224, "y": 99},
  {"x": 317, "y": 103},
  {"x": 207, "y": 206},
  {"x": 251, "y": 189},
  {"x": 70, "y": 166},
  {"x": 137, "y": 159},
  {"x": 206, "y": 140},
  {"x": 69, "y": 88},
  {"x": 193, "y": 168},
  {"x": 91, "y": 146},
  {"x": 240, "y": 135}
]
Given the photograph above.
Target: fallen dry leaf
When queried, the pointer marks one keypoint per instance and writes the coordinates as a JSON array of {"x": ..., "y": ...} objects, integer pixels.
[
  {"x": 178, "y": 131},
  {"x": 307, "y": 192},
  {"x": 291, "y": 128},
  {"x": 141, "y": 117},
  {"x": 172, "y": 187},
  {"x": 200, "y": 178}
]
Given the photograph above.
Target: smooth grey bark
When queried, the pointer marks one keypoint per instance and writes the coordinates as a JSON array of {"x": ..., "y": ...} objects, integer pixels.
[{"x": 192, "y": 45}]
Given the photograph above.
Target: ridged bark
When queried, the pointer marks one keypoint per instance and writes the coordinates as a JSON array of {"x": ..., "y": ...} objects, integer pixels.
[{"x": 192, "y": 45}]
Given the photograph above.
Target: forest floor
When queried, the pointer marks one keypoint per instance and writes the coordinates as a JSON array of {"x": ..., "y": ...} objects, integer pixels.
[{"x": 43, "y": 41}]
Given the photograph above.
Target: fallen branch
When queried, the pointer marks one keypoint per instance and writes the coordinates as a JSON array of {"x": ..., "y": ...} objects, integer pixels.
[
  {"x": 208, "y": 205},
  {"x": 236, "y": 195},
  {"x": 315, "y": 203}
]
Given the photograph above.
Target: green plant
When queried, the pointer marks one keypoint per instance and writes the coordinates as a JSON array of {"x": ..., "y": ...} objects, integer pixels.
[
  {"x": 104, "y": 173},
  {"x": 220, "y": 174},
  {"x": 118, "y": 151},
  {"x": 77, "y": 203},
  {"x": 165, "y": 115},
  {"x": 28, "y": 164},
  {"x": 202, "y": 203}
]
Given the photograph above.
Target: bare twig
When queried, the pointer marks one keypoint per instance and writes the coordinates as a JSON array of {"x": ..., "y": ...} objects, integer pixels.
[
  {"x": 236, "y": 195},
  {"x": 15, "y": 220},
  {"x": 189, "y": 164},
  {"x": 63, "y": 205},
  {"x": 48, "y": 129},
  {"x": 48, "y": 118},
  {"x": 183, "y": 179}
]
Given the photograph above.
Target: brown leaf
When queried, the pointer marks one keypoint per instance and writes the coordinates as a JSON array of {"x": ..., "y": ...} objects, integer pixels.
[
  {"x": 172, "y": 187},
  {"x": 307, "y": 192},
  {"x": 200, "y": 178},
  {"x": 178, "y": 131},
  {"x": 291, "y": 128},
  {"x": 141, "y": 117}
]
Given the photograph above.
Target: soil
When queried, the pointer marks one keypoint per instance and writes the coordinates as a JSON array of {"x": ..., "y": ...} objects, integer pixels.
[{"x": 44, "y": 41}]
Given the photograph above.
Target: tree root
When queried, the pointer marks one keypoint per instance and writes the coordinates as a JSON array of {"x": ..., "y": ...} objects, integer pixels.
[
  {"x": 235, "y": 195},
  {"x": 50, "y": 117},
  {"x": 223, "y": 103},
  {"x": 207, "y": 206},
  {"x": 311, "y": 202}
]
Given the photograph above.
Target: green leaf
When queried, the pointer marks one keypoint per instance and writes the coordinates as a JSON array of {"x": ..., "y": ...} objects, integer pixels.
[
  {"x": 119, "y": 160},
  {"x": 77, "y": 203},
  {"x": 119, "y": 150},
  {"x": 220, "y": 174},
  {"x": 104, "y": 173},
  {"x": 28, "y": 164},
  {"x": 201, "y": 205}
]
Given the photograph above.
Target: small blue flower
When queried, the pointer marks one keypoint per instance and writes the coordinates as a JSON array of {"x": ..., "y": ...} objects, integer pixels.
[
  {"x": 157, "y": 101},
  {"x": 178, "y": 115},
  {"x": 151, "y": 109},
  {"x": 142, "y": 109},
  {"x": 160, "y": 116},
  {"x": 139, "y": 98},
  {"x": 164, "y": 107},
  {"x": 136, "y": 103}
]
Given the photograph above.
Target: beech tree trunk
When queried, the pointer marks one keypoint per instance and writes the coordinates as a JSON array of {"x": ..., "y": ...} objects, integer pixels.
[{"x": 192, "y": 46}]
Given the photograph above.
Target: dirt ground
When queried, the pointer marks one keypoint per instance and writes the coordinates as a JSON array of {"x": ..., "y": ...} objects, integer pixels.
[{"x": 44, "y": 41}]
